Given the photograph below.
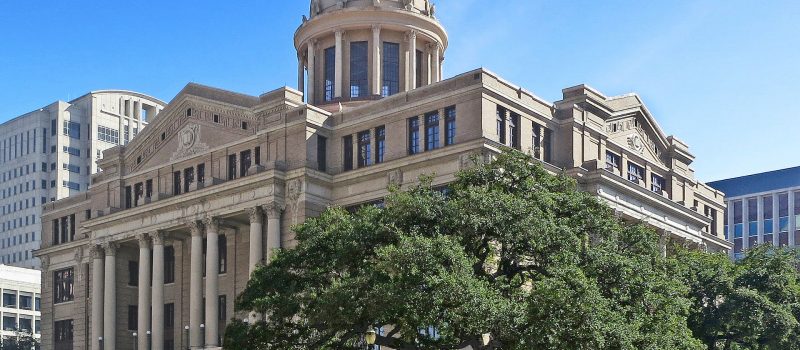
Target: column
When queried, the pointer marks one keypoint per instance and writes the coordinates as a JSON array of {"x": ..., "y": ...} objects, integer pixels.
[
  {"x": 212, "y": 279},
  {"x": 256, "y": 239},
  {"x": 776, "y": 235},
  {"x": 196, "y": 286},
  {"x": 97, "y": 296},
  {"x": 273, "y": 211},
  {"x": 301, "y": 76},
  {"x": 337, "y": 88},
  {"x": 310, "y": 69},
  {"x": 428, "y": 64},
  {"x": 437, "y": 77},
  {"x": 376, "y": 60},
  {"x": 792, "y": 219},
  {"x": 144, "y": 291},
  {"x": 158, "y": 291},
  {"x": 110, "y": 298},
  {"x": 411, "y": 82}
]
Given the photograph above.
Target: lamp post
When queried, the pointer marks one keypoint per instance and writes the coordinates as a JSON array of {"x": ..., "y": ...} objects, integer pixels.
[
  {"x": 149, "y": 341},
  {"x": 135, "y": 341},
  {"x": 186, "y": 335},
  {"x": 370, "y": 336}
]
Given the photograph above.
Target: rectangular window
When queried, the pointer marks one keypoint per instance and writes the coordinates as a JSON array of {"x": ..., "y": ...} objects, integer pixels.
[
  {"x": 169, "y": 316},
  {"x": 513, "y": 130},
  {"x": 752, "y": 217},
  {"x": 419, "y": 68},
  {"x": 501, "y": 124},
  {"x": 738, "y": 221},
  {"x": 231, "y": 166},
  {"x": 322, "y": 153},
  {"x": 9, "y": 324},
  {"x": 635, "y": 173},
  {"x": 246, "y": 161},
  {"x": 10, "y": 299},
  {"x": 25, "y": 302},
  {"x": 413, "y": 135},
  {"x": 364, "y": 149},
  {"x": 547, "y": 144},
  {"x": 767, "y": 215},
  {"x": 138, "y": 192},
  {"x": 72, "y": 151},
  {"x": 71, "y": 168},
  {"x": 26, "y": 324},
  {"x": 133, "y": 319},
  {"x": 380, "y": 144},
  {"x": 72, "y": 129},
  {"x": 201, "y": 173},
  {"x": 222, "y": 242},
  {"x": 783, "y": 212},
  {"x": 108, "y": 135},
  {"x": 359, "y": 77},
  {"x": 391, "y": 69},
  {"x": 169, "y": 264},
  {"x": 188, "y": 179},
  {"x": 63, "y": 286},
  {"x": 223, "y": 308},
  {"x": 148, "y": 189},
  {"x": 257, "y": 152},
  {"x": 71, "y": 185},
  {"x": 657, "y": 184},
  {"x": 432, "y": 131},
  {"x": 62, "y": 335},
  {"x": 330, "y": 73},
  {"x": 133, "y": 273},
  {"x": 176, "y": 183},
  {"x": 450, "y": 125},
  {"x": 612, "y": 162},
  {"x": 128, "y": 197},
  {"x": 347, "y": 150}
]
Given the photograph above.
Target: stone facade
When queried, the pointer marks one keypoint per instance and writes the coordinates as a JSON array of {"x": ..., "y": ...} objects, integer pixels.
[{"x": 229, "y": 174}]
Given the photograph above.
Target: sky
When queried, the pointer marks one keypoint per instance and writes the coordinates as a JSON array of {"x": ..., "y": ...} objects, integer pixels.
[{"x": 713, "y": 73}]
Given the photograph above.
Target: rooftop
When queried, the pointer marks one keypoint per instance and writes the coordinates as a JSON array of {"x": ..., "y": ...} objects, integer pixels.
[
  {"x": 19, "y": 274},
  {"x": 758, "y": 183}
]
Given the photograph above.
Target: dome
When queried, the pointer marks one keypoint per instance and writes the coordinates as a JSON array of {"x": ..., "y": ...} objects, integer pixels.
[{"x": 351, "y": 51}]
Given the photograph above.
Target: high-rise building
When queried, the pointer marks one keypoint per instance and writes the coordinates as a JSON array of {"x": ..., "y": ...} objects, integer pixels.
[
  {"x": 21, "y": 308},
  {"x": 212, "y": 186},
  {"x": 50, "y": 154},
  {"x": 762, "y": 208}
]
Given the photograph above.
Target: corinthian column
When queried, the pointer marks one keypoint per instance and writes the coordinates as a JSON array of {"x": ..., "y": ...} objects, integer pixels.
[
  {"x": 212, "y": 280},
  {"x": 158, "y": 291},
  {"x": 310, "y": 68},
  {"x": 110, "y": 298},
  {"x": 256, "y": 240},
  {"x": 411, "y": 82},
  {"x": 376, "y": 59},
  {"x": 273, "y": 211},
  {"x": 436, "y": 64},
  {"x": 144, "y": 290},
  {"x": 97, "y": 296},
  {"x": 337, "y": 88},
  {"x": 196, "y": 286}
]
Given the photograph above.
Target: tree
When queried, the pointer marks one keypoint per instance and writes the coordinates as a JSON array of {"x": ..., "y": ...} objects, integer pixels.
[
  {"x": 507, "y": 250},
  {"x": 23, "y": 341},
  {"x": 751, "y": 304}
]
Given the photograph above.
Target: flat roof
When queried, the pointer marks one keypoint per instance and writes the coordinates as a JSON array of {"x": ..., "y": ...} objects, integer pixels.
[{"x": 758, "y": 183}]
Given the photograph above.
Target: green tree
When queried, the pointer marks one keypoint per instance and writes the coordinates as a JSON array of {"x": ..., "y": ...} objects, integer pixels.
[
  {"x": 24, "y": 341},
  {"x": 508, "y": 250},
  {"x": 751, "y": 304}
]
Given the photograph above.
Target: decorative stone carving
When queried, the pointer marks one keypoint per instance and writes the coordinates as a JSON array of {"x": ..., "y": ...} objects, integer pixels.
[
  {"x": 195, "y": 227},
  {"x": 158, "y": 237},
  {"x": 144, "y": 239},
  {"x": 45, "y": 262},
  {"x": 255, "y": 215},
  {"x": 315, "y": 8},
  {"x": 110, "y": 248},
  {"x": 294, "y": 188},
  {"x": 408, "y": 4},
  {"x": 96, "y": 252},
  {"x": 636, "y": 144},
  {"x": 273, "y": 210},
  {"x": 189, "y": 142},
  {"x": 395, "y": 177},
  {"x": 212, "y": 224},
  {"x": 79, "y": 255}
]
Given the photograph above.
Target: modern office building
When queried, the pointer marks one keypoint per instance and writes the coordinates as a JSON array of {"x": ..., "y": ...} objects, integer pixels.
[
  {"x": 762, "y": 208},
  {"x": 21, "y": 308},
  {"x": 212, "y": 186},
  {"x": 50, "y": 153}
]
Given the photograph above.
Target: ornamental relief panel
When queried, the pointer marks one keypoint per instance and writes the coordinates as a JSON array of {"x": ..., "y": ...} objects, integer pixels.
[{"x": 189, "y": 142}]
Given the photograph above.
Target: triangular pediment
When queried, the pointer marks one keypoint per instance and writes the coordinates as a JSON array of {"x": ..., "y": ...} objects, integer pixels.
[{"x": 636, "y": 133}]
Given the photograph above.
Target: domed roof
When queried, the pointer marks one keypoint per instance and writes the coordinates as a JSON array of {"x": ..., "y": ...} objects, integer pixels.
[{"x": 424, "y": 7}]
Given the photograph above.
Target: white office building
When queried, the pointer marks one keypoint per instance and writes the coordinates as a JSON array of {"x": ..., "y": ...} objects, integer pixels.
[
  {"x": 50, "y": 153},
  {"x": 21, "y": 308}
]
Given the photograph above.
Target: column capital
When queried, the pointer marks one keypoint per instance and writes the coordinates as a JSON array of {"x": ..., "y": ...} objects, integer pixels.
[
  {"x": 195, "y": 227},
  {"x": 45, "y": 262},
  {"x": 255, "y": 215},
  {"x": 273, "y": 210},
  {"x": 212, "y": 223},
  {"x": 433, "y": 46},
  {"x": 143, "y": 239},
  {"x": 411, "y": 35},
  {"x": 339, "y": 33},
  {"x": 376, "y": 28},
  {"x": 96, "y": 251},
  {"x": 110, "y": 248},
  {"x": 311, "y": 43},
  {"x": 158, "y": 237}
]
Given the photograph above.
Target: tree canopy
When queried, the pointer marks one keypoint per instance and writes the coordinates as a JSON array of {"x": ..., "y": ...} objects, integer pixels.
[{"x": 508, "y": 250}]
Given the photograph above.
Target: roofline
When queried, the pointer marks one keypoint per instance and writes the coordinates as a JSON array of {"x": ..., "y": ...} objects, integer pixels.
[
  {"x": 755, "y": 174},
  {"x": 127, "y": 92}
]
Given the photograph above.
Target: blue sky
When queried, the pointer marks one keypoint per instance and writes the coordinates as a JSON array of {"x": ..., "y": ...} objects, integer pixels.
[{"x": 719, "y": 74}]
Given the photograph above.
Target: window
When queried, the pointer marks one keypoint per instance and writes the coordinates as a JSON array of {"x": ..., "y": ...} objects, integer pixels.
[
  {"x": 133, "y": 319},
  {"x": 71, "y": 168},
  {"x": 711, "y": 213},
  {"x": 10, "y": 299},
  {"x": 767, "y": 216},
  {"x": 37, "y": 304},
  {"x": 257, "y": 152},
  {"x": 26, "y": 324},
  {"x": 71, "y": 185},
  {"x": 635, "y": 173},
  {"x": 9, "y": 322},
  {"x": 391, "y": 69},
  {"x": 169, "y": 264},
  {"x": 63, "y": 285},
  {"x": 222, "y": 308},
  {"x": 513, "y": 130},
  {"x": 752, "y": 217},
  {"x": 359, "y": 79},
  {"x": 176, "y": 183},
  {"x": 364, "y": 149},
  {"x": 223, "y": 253},
  {"x": 783, "y": 212},
  {"x": 657, "y": 184},
  {"x": 201, "y": 173},
  {"x": 25, "y": 302},
  {"x": 244, "y": 125},
  {"x": 107, "y": 134},
  {"x": 169, "y": 316},
  {"x": 188, "y": 179},
  {"x": 72, "y": 129},
  {"x": 419, "y": 68},
  {"x": 231, "y": 166},
  {"x": 133, "y": 273},
  {"x": 413, "y": 135},
  {"x": 347, "y": 150},
  {"x": 380, "y": 144},
  {"x": 738, "y": 227},
  {"x": 138, "y": 192},
  {"x": 322, "y": 150},
  {"x": 128, "y": 197},
  {"x": 547, "y": 144},
  {"x": 501, "y": 124},
  {"x": 612, "y": 162},
  {"x": 62, "y": 335},
  {"x": 216, "y": 118},
  {"x": 450, "y": 126},
  {"x": 431, "y": 131},
  {"x": 72, "y": 151},
  {"x": 245, "y": 163},
  {"x": 189, "y": 112},
  {"x": 330, "y": 73}
]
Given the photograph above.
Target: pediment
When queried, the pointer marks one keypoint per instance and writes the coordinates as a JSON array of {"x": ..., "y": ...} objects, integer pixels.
[{"x": 639, "y": 136}]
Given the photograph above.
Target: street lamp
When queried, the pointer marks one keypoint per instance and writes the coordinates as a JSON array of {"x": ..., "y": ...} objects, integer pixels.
[
  {"x": 186, "y": 333},
  {"x": 370, "y": 337},
  {"x": 135, "y": 341}
]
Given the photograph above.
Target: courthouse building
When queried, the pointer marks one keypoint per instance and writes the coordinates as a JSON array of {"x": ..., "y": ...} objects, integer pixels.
[
  {"x": 50, "y": 153},
  {"x": 213, "y": 185},
  {"x": 762, "y": 208}
]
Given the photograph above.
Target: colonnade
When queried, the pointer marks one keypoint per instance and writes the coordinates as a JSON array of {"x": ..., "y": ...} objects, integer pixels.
[{"x": 202, "y": 333}]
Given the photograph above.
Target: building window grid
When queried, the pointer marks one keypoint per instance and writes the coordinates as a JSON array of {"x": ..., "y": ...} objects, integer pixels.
[{"x": 107, "y": 134}]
